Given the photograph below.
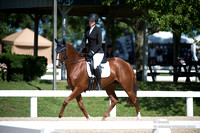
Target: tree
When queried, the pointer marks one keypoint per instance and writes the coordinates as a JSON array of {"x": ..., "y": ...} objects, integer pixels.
[
  {"x": 182, "y": 17},
  {"x": 76, "y": 27},
  {"x": 9, "y": 23},
  {"x": 179, "y": 16},
  {"x": 138, "y": 24}
]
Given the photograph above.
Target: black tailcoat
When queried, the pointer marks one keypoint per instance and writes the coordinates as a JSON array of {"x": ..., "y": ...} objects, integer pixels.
[{"x": 94, "y": 40}]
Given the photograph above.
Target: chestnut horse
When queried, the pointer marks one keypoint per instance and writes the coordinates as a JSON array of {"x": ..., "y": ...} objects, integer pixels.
[{"x": 78, "y": 80}]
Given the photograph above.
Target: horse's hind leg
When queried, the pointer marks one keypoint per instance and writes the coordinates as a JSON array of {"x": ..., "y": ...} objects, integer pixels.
[
  {"x": 80, "y": 104},
  {"x": 113, "y": 98},
  {"x": 134, "y": 100},
  {"x": 129, "y": 90}
]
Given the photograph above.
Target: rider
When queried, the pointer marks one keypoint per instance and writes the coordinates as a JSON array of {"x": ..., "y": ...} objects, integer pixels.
[{"x": 93, "y": 35}]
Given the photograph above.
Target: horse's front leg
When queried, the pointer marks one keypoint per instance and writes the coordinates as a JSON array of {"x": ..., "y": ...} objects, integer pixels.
[
  {"x": 74, "y": 94},
  {"x": 80, "y": 104}
]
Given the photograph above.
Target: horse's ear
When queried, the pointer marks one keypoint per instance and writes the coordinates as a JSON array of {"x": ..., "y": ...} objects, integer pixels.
[
  {"x": 64, "y": 41},
  {"x": 56, "y": 40}
]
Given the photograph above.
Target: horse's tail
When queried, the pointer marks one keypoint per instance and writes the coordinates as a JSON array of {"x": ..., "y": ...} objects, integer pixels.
[{"x": 135, "y": 87}]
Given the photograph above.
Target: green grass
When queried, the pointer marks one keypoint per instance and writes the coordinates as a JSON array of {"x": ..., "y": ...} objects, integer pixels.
[
  {"x": 50, "y": 106},
  {"x": 51, "y": 73},
  {"x": 33, "y": 85},
  {"x": 72, "y": 109},
  {"x": 15, "y": 107},
  {"x": 164, "y": 74}
]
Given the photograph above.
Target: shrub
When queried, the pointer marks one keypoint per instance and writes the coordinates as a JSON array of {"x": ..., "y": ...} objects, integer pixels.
[{"x": 23, "y": 67}]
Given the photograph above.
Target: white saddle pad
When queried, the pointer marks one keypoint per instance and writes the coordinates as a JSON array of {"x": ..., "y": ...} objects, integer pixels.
[{"x": 105, "y": 70}]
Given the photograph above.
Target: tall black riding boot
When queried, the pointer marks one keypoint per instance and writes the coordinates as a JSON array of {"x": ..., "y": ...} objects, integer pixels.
[
  {"x": 91, "y": 83},
  {"x": 97, "y": 72}
]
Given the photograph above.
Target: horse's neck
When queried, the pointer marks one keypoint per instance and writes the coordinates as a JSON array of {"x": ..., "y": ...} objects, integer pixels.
[
  {"x": 72, "y": 53},
  {"x": 75, "y": 60}
]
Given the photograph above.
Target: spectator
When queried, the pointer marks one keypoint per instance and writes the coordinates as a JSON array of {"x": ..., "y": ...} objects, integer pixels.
[
  {"x": 109, "y": 53},
  {"x": 152, "y": 54},
  {"x": 198, "y": 54},
  {"x": 117, "y": 53},
  {"x": 165, "y": 53},
  {"x": 159, "y": 55},
  {"x": 194, "y": 52},
  {"x": 188, "y": 56},
  {"x": 185, "y": 54}
]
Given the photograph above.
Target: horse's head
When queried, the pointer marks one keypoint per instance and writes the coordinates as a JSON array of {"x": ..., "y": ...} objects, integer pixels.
[
  {"x": 66, "y": 51},
  {"x": 61, "y": 45},
  {"x": 61, "y": 49}
]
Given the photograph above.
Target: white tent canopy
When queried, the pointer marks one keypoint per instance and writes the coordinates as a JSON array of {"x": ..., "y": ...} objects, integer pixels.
[
  {"x": 161, "y": 37},
  {"x": 197, "y": 38},
  {"x": 164, "y": 37}
]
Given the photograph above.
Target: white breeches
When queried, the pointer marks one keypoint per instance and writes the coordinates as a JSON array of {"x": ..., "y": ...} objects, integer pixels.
[{"x": 97, "y": 58}]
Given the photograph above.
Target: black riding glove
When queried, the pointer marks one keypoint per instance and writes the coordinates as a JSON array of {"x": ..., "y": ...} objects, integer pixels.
[{"x": 90, "y": 54}]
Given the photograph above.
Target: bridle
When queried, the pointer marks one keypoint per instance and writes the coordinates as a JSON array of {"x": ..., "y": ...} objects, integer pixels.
[
  {"x": 62, "y": 48},
  {"x": 65, "y": 60}
]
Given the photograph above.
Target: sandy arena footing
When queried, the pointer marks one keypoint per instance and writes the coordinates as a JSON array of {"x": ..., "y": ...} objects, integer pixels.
[{"x": 109, "y": 119}]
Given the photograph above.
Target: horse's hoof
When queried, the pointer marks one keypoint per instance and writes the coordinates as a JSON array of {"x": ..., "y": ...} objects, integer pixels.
[
  {"x": 103, "y": 119},
  {"x": 57, "y": 119},
  {"x": 88, "y": 117},
  {"x": 139, "y": 116},
  {"x": 60, "y": 115}
]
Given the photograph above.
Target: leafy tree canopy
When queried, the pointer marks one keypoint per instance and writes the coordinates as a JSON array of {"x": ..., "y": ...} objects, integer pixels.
[
  {"x": 180, "y": 16},
  {"x": 9, "y": 23}
]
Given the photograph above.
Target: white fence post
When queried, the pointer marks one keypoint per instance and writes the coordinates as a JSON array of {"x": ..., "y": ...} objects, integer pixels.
[
  {"x": 33, "y": 109},
  {"x": 189, "y": 106},
  {"x": 113, "y": 111}
]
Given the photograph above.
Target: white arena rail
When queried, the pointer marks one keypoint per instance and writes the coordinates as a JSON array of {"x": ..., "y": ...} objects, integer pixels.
[{"x": 33, "y": 94}]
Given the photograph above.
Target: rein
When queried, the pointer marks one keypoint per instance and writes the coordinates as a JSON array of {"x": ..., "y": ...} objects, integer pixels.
[{"x": 64, "y": 59}]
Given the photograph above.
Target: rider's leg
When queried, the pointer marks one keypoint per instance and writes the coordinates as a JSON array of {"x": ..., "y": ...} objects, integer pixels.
[
  {"x": 97, "y": 72},
  {"x": 92, "y": 78},
  {"x": 97, "y": 58}
]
